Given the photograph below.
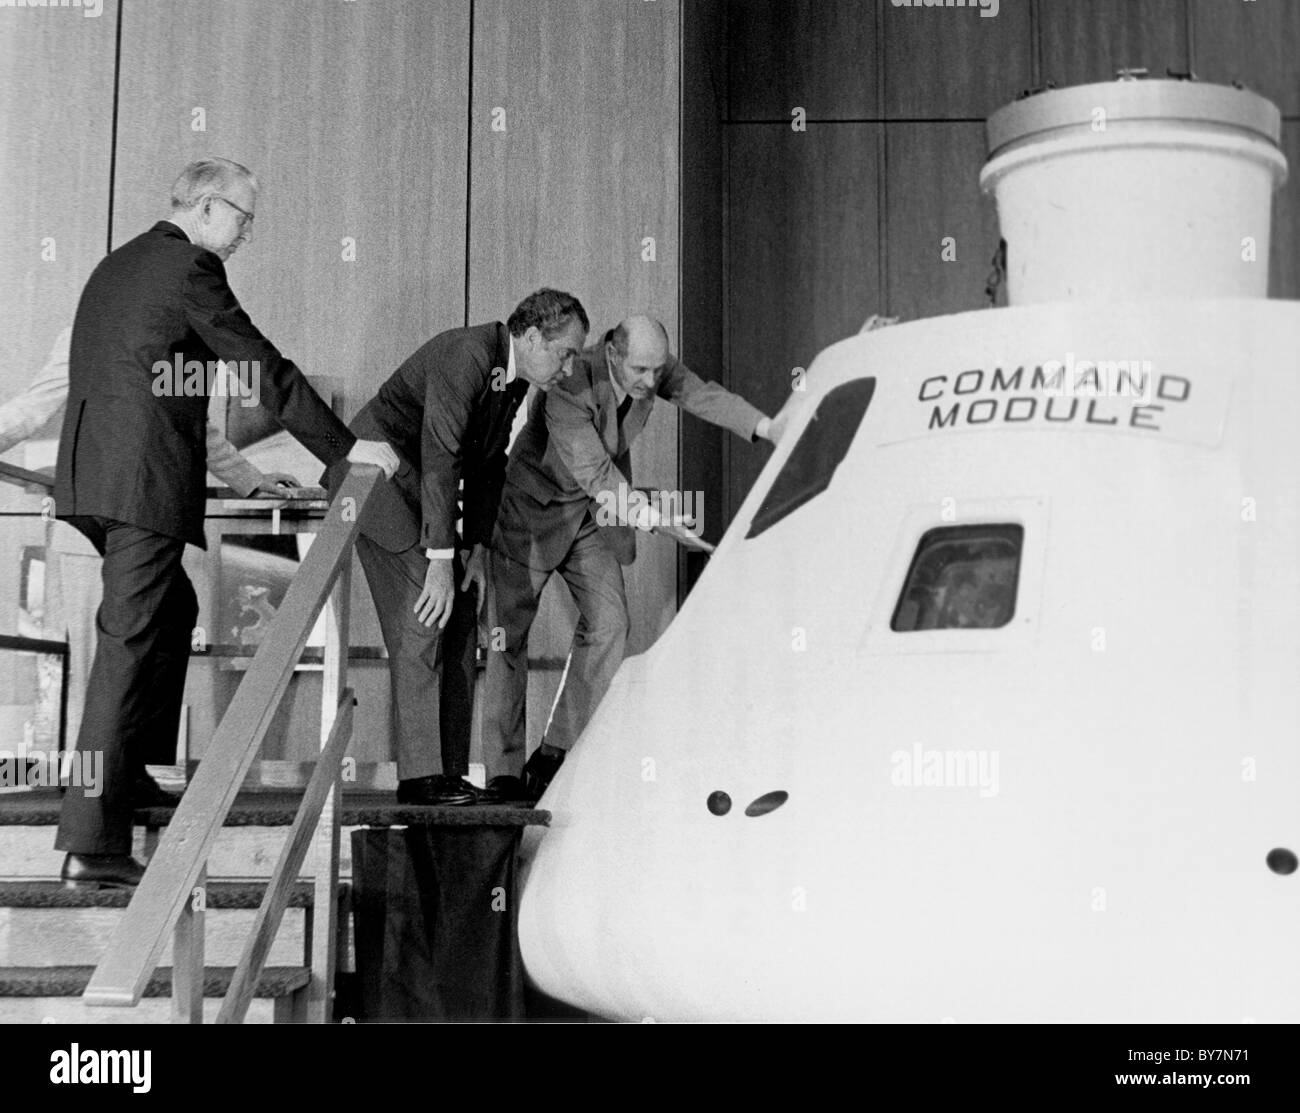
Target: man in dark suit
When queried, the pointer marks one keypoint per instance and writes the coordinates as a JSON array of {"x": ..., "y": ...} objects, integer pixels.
[
  {"x": 131, "y": 477},
  {"x": 568, "y": 506},
  {"x": 448, "y": 412}
]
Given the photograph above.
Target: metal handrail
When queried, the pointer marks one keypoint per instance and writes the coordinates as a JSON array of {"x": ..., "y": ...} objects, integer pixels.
[
  {"x": 165, "y": 896},
  {"x": 257, "y": 948},
  {"x": 21, "y": 477}
]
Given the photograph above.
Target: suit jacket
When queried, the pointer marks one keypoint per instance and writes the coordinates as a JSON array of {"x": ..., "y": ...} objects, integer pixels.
[
  {"x": 47, "y": 395},
  {"x": 136, "y": 456},
  {"x": 446, "y": 415},
  {"x": 570, "y": 456}
]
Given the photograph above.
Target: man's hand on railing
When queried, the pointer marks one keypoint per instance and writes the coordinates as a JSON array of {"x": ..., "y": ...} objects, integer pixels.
[
  {"x": 378, "y": 453},
  {"x": 277, "y": 483}
]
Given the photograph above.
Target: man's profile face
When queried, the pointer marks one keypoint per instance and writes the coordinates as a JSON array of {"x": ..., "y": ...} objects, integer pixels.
[
  {"x": 226, "y": 219},
  {"x": 543, "y": 361},
  {"x": 638, "y": 371}
]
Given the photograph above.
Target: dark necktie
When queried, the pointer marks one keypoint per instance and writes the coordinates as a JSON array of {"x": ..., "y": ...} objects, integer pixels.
[{"x": 623, "y": 408}]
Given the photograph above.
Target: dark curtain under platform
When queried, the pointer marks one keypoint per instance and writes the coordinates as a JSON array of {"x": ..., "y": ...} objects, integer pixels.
[{"x": 435, "y": 923}]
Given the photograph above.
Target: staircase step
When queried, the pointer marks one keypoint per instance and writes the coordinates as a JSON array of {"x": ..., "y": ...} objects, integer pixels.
[
  {"x": 60, "y": 936},
  {"x": 44, "y": 924},
  {"x": 71, "y": 981},
  {"x": 243, "y": 853},
  {"x": 217, "y": 894},
  {"x": 154, "y": 1010},
  {"x": 39, "y": 807}
]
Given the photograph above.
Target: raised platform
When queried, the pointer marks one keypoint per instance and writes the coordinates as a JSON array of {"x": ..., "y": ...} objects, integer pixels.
[
  {"x": 217, "y": 894},
  {"x": 70, "y": 981},
  {"x": 40, "y": 808}
]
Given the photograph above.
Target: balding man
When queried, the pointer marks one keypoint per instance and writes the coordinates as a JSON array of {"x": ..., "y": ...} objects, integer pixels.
[
  {"x": 568, "y": 506},
  {"x": 131, "y": 477}
]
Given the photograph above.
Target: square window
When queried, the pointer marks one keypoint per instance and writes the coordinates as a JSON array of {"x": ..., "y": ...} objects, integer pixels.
[{"x": 962, "y": 577}]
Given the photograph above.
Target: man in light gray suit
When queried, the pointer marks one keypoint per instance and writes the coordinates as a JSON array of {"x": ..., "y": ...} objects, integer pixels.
[{"x": 568, "y": 506}]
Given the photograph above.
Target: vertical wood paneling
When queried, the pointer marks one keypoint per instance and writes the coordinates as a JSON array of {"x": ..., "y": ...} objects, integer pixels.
[
  {"x": 585, "y": 170},
  {"x": 803, "y": 253},
  {"x": 1284, "y": 256},
  {"x": 1085, "y": 43},
  {"x": 56, "y": 110},
  {"x": 56, "y": 106},
  {"x": 1255, "y": 42},
  {"x": 933, "y": 195},
  {"x": 353, "y": 116},
  {"x": 704, "y": 74},
  {"x": 819, "y": 55},
  {"x": 954, "y": 62}
]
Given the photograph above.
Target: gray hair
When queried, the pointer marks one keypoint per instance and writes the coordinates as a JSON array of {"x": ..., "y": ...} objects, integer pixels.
[
  {"x": 549, "y": 311},
  {"x": 205, "y": 176}
]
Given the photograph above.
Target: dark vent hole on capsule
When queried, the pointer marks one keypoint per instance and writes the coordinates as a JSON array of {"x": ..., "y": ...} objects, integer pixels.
[
  {"x": 768, "y": 802},
  {"x": 1281, "y": 861}
]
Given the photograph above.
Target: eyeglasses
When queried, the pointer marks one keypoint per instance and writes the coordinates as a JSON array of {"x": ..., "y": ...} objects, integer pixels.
[{"x": 246, "y": 218}]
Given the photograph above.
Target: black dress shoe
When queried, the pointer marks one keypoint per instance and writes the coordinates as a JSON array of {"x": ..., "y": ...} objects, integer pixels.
[
  {"x": 506, "y": 789},
  {"x": 439, "y": 790},
  {"x": 101, "y": 871},
  {"x": 539, "y": 770},
  {"x": 148, "y": 793}
]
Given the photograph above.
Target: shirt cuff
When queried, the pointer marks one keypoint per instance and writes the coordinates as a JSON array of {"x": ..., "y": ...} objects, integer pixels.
[{"x": 440, "y": 554}]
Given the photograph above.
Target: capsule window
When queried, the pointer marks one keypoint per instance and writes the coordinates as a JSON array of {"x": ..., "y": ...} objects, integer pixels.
[
  {"x": 962, "y": 577},
  {"x": 811, "y": 466}
]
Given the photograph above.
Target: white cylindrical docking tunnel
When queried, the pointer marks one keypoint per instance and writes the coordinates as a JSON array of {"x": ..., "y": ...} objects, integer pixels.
[{"x": 1135, "y": 189}]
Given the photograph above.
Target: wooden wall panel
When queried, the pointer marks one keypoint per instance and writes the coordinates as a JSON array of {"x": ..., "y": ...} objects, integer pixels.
[
  {"x": 56, "y": 110},
  {"x": 933, "y": 193},
  {"x": 353, "y": 116},
  {"x": 955, "y": 63},
  {"x": 585, "y": 170},
  {"x": 1257, "y": 43},
  {"x": 1085, "y": 43},
  {"x": 703, "y": 274},
  {"x": 819, "y": 55},
  {"x": 803, "y": 259},
  {"x": 1284, "y": 256},
  {"x": 56, "y": 102}
]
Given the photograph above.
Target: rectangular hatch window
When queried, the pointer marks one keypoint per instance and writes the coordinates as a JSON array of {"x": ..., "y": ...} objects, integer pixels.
[
  {"x": 821, "y": 448},
  {"x": 962, "y": 577}
]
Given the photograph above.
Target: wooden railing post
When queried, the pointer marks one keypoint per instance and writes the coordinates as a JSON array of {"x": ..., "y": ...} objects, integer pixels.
[
  {"x": 187, "y": 957},
  {"x": 325, "y": 848},
  {"x": 134, "y": 951}
]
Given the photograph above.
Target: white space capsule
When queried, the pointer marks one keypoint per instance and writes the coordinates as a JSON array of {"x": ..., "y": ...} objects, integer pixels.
[{"x": 1003, "y": 648}]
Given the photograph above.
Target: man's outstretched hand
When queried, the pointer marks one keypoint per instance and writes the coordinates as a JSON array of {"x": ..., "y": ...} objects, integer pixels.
[
  {"x": 682, "y": 530},
  {"x": 378, "y": 453}
]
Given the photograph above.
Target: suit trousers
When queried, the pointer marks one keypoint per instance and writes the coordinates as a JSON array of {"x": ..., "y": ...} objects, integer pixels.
[
  {"x": 595, "y": 580},
  {"x": 431, "y": 671},
  {"x": 137, "y": 679},
  {"x": 72, "y": 605}
]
